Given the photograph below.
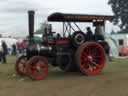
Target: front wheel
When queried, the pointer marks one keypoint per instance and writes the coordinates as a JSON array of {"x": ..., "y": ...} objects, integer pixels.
[{"x": 37, "y": 67}]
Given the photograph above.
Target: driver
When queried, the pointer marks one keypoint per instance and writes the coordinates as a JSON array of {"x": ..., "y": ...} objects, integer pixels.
[
  {"x": 89, "y": 34},
  {"x": 58, "y": 35}
]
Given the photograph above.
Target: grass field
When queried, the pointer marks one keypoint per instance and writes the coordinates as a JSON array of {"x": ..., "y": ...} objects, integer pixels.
[{"x": 112, "y": 81}]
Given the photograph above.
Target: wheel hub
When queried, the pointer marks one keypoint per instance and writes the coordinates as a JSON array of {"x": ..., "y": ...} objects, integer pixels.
[
  {"x": 38, "y": 68},
  {"x": 90, "y": 58},
  {"x": 79, "y": 39}
]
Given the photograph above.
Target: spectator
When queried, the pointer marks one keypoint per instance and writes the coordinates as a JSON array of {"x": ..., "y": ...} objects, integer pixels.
[
  {"x": 22, "y": 46},
  {"x": 1, "y": 52},
  {"x": 5, "y": 51},
  {"x": 18, "y": 47},
  {"x": 14, "y": 49}
]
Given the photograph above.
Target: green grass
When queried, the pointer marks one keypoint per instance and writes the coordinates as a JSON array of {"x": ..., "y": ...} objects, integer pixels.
[
  {"x": 113, "y": 79},
  {"x": 7, "y": 71},
  {"x": 117, "y": 65}
]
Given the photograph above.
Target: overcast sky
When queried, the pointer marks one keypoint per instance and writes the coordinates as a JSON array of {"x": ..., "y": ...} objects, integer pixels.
[{"x": 13, "y": 13}]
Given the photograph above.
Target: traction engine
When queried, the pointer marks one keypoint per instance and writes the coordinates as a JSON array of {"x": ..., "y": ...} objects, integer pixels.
[{"x": 69, "y": 53}]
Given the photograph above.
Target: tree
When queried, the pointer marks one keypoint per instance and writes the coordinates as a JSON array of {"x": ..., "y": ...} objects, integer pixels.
[
  {"x": 120, "y": 9},
  {"x": 42, "y": 28}
]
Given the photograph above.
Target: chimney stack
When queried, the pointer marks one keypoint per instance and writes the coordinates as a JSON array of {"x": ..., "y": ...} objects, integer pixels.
[{"x": 31, "y": 14}]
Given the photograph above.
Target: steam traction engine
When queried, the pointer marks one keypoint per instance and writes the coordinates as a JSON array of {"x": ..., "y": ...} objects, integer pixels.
[{"x": 70, "y": 52}]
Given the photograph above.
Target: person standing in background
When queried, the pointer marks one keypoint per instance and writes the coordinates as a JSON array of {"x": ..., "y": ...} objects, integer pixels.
[
  {"x": 1, "y": 53},
  {"x": 4, "y": 53},
  {"x": 14, "y": 49}
]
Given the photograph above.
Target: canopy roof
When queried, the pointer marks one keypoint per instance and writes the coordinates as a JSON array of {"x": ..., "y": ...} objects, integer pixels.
[{"x": 64, "y": 17}]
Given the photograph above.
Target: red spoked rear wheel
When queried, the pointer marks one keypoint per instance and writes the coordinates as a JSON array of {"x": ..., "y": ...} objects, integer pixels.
[
  {"x": 21, "y": 65},
  {"x": 37, "y": 67},
  {"x": 90, "y": 58}
]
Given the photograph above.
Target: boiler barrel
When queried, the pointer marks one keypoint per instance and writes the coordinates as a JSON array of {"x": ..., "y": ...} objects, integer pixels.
[{"x": 38, "y": 49}]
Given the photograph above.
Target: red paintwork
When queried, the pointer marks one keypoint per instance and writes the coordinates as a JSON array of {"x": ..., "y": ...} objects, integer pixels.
[
  {"x": 62, "y": 41},
  {"x": 58, "y": 42}
]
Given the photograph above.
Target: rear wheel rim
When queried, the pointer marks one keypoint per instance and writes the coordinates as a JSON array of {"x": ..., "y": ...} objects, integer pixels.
[
  {"x": 38, "y": 68},
  {"x": 92, "y": 59}
]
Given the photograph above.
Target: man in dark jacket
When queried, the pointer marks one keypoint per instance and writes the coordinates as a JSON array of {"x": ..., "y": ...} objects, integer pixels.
[
  {"x": 89, "y": 34},
  {"x": 5, "y": 51},
  {"x": 14, "y": 49}
]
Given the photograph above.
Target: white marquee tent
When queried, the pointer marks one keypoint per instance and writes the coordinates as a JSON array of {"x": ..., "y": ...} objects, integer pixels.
[{"x": 9, "y": 42}]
